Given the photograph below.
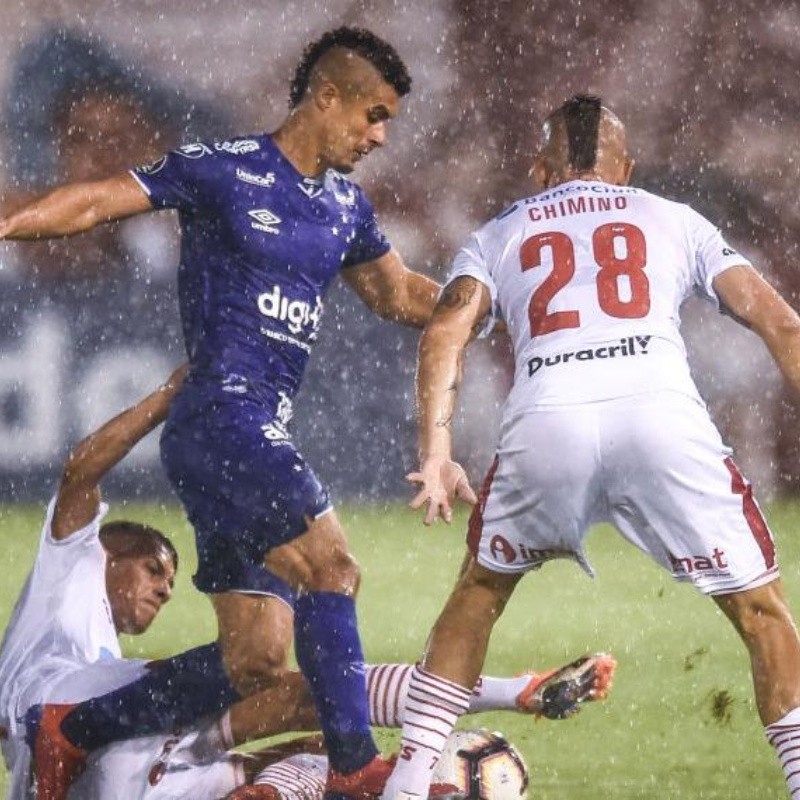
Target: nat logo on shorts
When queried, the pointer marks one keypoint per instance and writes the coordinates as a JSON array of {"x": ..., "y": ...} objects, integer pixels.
[
  {"x": 298, "y": 315},
  {"x": 688, "y": 565},
  {"x": 627, "y": 347}
]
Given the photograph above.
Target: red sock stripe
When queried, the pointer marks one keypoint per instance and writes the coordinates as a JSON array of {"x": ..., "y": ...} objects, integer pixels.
[
  {"x": 286, "y": 776},
  {"x": 384, "y": 685},
  {"x": 393, "y": 692},
  {"x": 752, "y": 513},
  {"x": 475, "y": 527},
  {"x": 440, "y": 686},
  {"x": 373, "y": 678},
  {"x": 780, "y": 738},
  {"x": 425, "y": 702}
]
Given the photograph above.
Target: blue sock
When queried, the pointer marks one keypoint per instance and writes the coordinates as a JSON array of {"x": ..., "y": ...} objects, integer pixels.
[
  {"x": 174, "y": 693},
  {"x": 328, "y": 651}
]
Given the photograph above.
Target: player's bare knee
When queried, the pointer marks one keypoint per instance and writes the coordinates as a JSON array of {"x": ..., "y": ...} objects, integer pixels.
[
  {"x": 339, "y": 573},
  {"x": 758, "y": 613}
]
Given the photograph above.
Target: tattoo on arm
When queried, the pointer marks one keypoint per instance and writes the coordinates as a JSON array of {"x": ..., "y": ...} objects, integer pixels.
[
  {"x": 459, "y": 293},
  {"x": 446, "y": 418}
]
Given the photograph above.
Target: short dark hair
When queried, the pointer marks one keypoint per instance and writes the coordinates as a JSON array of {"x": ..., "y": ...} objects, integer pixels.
[
  {"x": 366, "y": 44},
  {"x": 581, "y": 115},
  {"x": 123, "y": 539}
]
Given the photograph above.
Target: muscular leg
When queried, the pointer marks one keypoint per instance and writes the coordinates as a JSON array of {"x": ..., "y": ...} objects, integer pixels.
[
  {"x": 255, "y": 633},
  {"x": 319, "y": 566},
  {"x": 457, "y": 645},
  {"x": 440, "y": 690},
  {"x": 763, "y": 620}
]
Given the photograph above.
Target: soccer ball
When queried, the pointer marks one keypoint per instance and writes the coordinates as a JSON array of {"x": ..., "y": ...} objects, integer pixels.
[{"x": 483, "y": 765}]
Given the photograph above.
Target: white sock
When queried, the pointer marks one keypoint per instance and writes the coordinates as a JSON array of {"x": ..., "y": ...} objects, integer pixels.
[
  {"x": 432, "y": 708},
  {"x": 387, "y": 686},
  {"x": 497, "y": 694},
  {"x": 784, "y": 736},
  {"x": 299, "y": 777}
]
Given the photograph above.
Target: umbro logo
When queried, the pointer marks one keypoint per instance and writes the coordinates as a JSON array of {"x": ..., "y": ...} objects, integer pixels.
[
  {"x": 311, "y": 188},
  {"x": 264, "y": 220}
]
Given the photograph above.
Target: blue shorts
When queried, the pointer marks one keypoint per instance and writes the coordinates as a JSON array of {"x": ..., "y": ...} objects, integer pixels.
[{"x": 245, "y": 488}]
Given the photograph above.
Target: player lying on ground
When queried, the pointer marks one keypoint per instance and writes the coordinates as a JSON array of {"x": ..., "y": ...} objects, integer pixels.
[
  {"x": 603, "y": 422},
  {"x": 267, "y": 223},
  {"x": 198, "y": 765},
  {"x": 91, "y": 582}
]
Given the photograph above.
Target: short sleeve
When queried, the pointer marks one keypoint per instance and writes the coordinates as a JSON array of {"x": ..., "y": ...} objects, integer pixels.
[
  {"x": 712, "y": 255},
  {"x": 471, "y": 262},
  {"x": 369, "y": 242},
  {"x": 174, "y": 180},
  {"x": 86, "y": 535}
]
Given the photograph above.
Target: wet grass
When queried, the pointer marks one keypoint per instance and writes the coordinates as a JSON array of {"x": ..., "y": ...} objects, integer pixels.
[{"x": 680, "y": 722}]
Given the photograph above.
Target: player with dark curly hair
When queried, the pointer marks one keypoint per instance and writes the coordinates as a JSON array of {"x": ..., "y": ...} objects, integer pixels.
[{"x": 267, "y": 222}]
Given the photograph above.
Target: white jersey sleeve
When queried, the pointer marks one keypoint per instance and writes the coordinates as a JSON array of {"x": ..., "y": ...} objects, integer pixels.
[{"x": 713, "y": 255}]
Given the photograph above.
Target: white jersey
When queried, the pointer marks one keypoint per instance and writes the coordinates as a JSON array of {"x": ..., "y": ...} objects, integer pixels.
[
  {"x": 589, "y": 278},
  {"x": 61, "y": 623}
]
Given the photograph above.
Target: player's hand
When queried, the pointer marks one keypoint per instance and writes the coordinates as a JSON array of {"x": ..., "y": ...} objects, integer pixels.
[{"x": 442, "y": 482}]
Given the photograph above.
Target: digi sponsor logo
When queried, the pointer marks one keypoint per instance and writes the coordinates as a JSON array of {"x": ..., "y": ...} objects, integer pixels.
[
  {"x": 298, "y": 315},
  {"x": 265, "y": 220},
  {"x": 238, "y": 147},
  {"x": 196, "y": 150},
  {"x": 688, "y": 565},
  {"x": 627, "y": 347},
  {"x": 502, "y": 549},
  {"x": 257, "y": 180}
]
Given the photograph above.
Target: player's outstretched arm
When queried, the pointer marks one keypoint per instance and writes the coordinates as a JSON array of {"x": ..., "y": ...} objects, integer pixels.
[
  {"x": 393, "y": 291},
  {"x": 78, "y": 496},
  {"x": 463, "y": 304},
  {"x": 75, "y": 208},
  {"x": 750, "y": 298}
]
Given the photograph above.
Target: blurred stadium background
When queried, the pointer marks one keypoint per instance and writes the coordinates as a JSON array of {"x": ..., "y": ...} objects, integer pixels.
[{"x": 709, "y": 91}]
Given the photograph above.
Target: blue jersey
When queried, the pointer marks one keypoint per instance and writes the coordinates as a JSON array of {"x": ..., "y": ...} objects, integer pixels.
[{"x": 260, "y": 245}]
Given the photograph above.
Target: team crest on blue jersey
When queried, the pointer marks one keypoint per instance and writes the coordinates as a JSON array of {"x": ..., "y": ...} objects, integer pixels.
[
  {"x": 265, "y": 220},
  {"x": 347, "y": 198}
]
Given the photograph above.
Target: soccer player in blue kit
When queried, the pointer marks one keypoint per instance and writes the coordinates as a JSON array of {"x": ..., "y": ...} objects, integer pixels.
[{"x": 267, "y": 222}]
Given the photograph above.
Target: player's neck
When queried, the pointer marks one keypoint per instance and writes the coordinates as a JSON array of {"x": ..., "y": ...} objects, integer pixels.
[{"x": 299, "y": 146}]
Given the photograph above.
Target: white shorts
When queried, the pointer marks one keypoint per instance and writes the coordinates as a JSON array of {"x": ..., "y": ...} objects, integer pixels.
[{"x": 654, "y": 466}]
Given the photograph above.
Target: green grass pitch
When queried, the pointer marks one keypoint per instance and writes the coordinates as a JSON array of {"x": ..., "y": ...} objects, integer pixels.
[{"x": 680, "y": 723}]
